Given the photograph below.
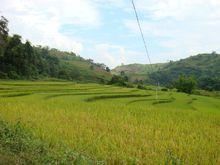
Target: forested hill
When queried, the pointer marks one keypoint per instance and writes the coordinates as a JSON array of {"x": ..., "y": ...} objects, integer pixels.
[
  {"x": 20, "y": 60},
  {"x": 204, "y": 67},
  {"x": 138, "y": 71}
]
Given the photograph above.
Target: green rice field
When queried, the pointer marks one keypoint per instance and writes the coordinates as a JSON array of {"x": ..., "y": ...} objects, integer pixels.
[{"x": 114, "y": 125}]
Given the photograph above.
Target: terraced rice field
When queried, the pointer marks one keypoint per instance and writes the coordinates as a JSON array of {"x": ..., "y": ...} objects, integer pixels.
[{"x": 114, "y": 125}]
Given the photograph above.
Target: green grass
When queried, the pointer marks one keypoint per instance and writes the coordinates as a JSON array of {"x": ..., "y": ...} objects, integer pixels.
[{"x": 114, "y": 125}]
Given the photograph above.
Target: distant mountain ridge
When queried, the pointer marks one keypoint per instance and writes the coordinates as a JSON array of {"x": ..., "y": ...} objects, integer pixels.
[
  {"x": 200, "y": 66},
  {"x": 138, "y": 71}
]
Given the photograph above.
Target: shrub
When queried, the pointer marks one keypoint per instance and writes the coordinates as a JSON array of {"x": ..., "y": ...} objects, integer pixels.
[
  {"x": 210, "y": 84},
  {"x": 91, "y": 67},
  {"x": 101, "y": 80},
  {"x": 13, "y": 75},
  {"x": 118, "y": 80},
  {"x": 17, "y": 141},
  {"x": 140, "y": 86},
  {"x": 184, "y": 84},
  {"x": 107, "y": 69},
  {"x": 129, "y": 85},
  {"x": 164, "y": 89},
  {"x": 3, "y": 75}
]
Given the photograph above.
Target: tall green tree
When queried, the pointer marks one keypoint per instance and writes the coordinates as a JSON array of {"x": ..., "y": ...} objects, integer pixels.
[
  {"x": 107, "y": 69},
  {"x": 185, "y": 84},
  {"x": 3, "y": 29},
  {"x": 3, "y": 38},
  {"x": 13, "y": 54}
]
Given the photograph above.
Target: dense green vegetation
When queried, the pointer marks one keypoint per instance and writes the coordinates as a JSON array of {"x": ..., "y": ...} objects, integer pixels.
[
  {"x": 19, "y": 145},
  {"x": 184, "y": 84},
  {"x": 204, "y": 67},
  {"x": 106, "y": 124},
  {"x": 20, "y": 60}
]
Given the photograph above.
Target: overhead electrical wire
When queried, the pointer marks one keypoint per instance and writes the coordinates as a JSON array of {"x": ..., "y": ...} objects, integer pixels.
[
  {"x": 144, "y": 42},
  {"x": 141, "y": 31}
]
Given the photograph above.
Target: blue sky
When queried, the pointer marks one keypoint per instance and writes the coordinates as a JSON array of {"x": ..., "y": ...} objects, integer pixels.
[{"x": 106, "y": 30}]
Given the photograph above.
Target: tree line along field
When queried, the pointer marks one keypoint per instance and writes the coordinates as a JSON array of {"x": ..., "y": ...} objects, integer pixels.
[{"x": 101, "y": 124}]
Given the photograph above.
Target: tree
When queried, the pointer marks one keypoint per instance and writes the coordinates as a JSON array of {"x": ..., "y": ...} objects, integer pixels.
[
  {"x": 117, "y": 80},
  {"x": 107, "y": 69},
  {"x": 29, "y": 60},
  {"x": 126, "y": 78},
  {"x": 184, "y": 84},
  {"x": 91, "y": 61},
  {"x": 136, "y": 81},
  {"x": 214, "y": 53},
  {"x": 13, "y": 54},
  {"x": 210, "y": 84},
  {"x": 122, "y": 73},
  {"x": 3, "y": 29},
  {"x": 91, "y": 67},
  {"x": 3, "y": 35}
]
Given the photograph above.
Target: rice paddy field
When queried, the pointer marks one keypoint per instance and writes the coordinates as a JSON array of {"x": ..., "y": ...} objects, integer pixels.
[{"x": 114, "y": 125}]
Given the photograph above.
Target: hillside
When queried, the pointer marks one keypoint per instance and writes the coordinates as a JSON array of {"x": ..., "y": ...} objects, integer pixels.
[
  {"x": 201, "y": 66},
  {"x": 137, "y": 71},
  {"x": 204, "y": 67},
  {"x": 87, "y": 69},
  {"x": 20, "y": 60}
]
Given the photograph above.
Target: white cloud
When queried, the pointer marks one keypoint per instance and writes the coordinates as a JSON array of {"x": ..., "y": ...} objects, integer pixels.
[
  {"x": 114, "y": 55},
  {"x": 110, "y": 54},
  {"x": 180, "y": 27},
  {"x": 40, "y": 21},
  {"x": 117, "y": 3},
  {"x": 180, "y": 9},
  {"x": 177, "y": 27}
]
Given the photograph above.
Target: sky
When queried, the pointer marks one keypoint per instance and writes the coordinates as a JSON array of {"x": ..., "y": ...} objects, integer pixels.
[{"x": 107, "y": 32}]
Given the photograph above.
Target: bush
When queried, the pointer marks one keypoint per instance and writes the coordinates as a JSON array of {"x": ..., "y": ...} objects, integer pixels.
[
  {"x": 3, "y": 75},
  {"x": 184, "y": 84},
  {"x": 118, "y": 80},
  {"x": 101, "y": 80},
  {"x": 19, "y": 142},
  {"x": 164, "y": 89},
  {"x": 209, "y": 84},
  {"x": 13, "y": 75},
  {"x": 129, "y": 85},
  {"x": 140, "y": 86},
  {"x": 63, "y": 74}
]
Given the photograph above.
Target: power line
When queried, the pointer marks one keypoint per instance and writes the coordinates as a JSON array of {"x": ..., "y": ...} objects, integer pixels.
[
  {"x": 145, "y": 44},
  {"x": 142, "y": 34}
]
